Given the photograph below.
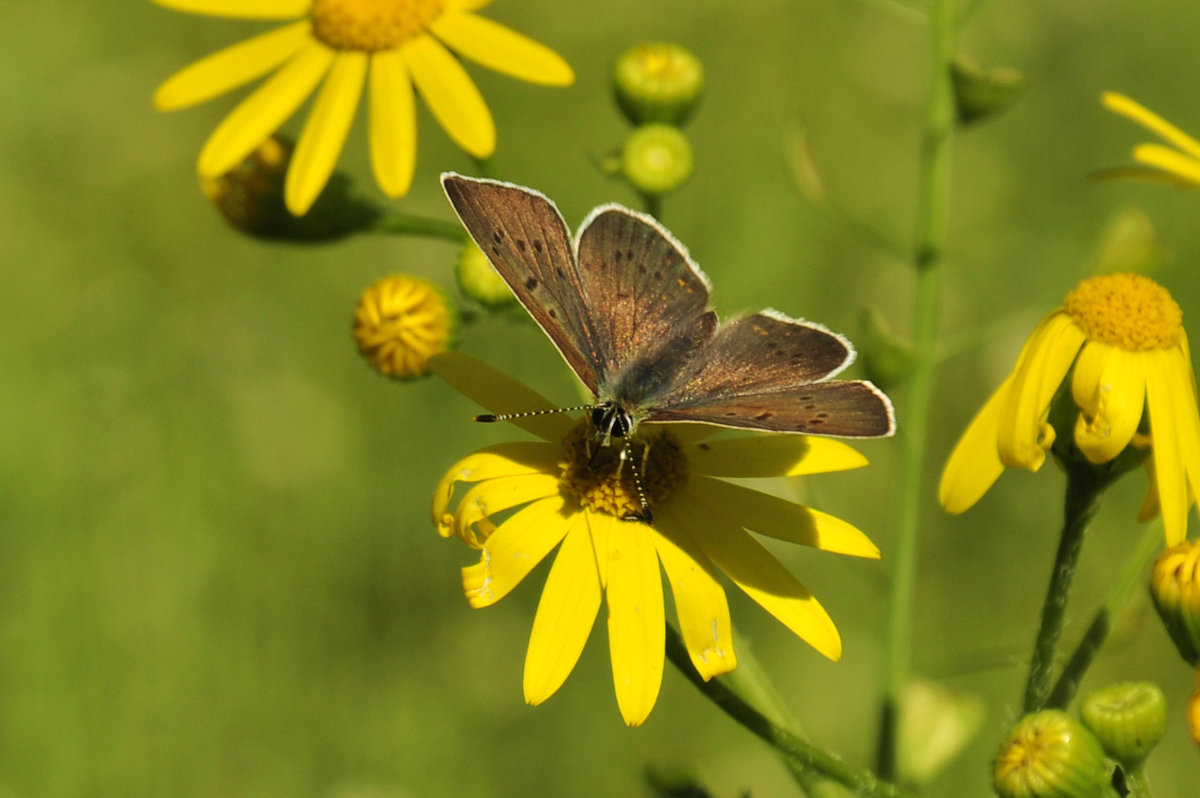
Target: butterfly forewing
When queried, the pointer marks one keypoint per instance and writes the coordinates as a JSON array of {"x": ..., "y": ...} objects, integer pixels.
[
  {"x": 651, "y": 303},
  {"x": 525, "y": 239}
]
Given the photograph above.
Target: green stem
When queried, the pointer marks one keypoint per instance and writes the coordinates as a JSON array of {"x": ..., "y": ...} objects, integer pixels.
[
  {"x": 933, "y": 203},
  {"x": 798, "y": 754},
  {"x": 1138, "y": 784},
  {"x": 408, "y": 224},
  {"x": 652, "y": 205},
  {"x": 1085, "y": 489},
  {"x": 1130, "y": 578}
]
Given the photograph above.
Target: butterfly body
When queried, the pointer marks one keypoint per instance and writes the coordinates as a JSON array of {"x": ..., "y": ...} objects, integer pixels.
[{"x": 628, "y": 309}]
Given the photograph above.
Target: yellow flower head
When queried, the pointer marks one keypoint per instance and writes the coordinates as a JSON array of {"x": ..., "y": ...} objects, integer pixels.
[
  {"x": 1178, "y": 165},
  {"x": 1121, "y": 340},
  {"x": 401, "y": 322},
  {"x": 567, "y": 490},
  {"x": 1049, "y": 754},
  {"x": 386, "y": 47},
  {"x": 1175, "y": 589}
]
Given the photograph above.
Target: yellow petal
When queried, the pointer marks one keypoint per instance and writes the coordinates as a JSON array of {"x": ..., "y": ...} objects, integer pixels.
[
  {"x": 494, "y": 496},
  {"x": 565, "y": 615},
  {"x": 1119, "y": 103},
  {"x": 974, "y": 465},
  {"x": 501, "y": 394},
  {"x": 325, "y": 132},
  {"x": 501, "y": 49},
  {"x": 1169, "y": 474},
  {"x": 393, "y": 123},
  {"x": 466, "y": 5},
  {"x": 515, "y": 549},
  {"x": 1187, "y": 418},
  {"x": 778, "y": 518},
  {"x": 241, "y": 9},
  {"x": 763, "y": 578},
  {"x": 602, "y": 526},
  {"x": 451, "y": 95},
  {"x": 232, "y": 67},
  {"x": 636, "y": 619},
  {"x": 503, "y": 460},
  {"x": 1172, "y": 161},
  {"x": 700, "y": 601},
  {"x": 263, "y": 111},
  {"x": 772, "y": 456},
  {"x": 1110, "y": 387},
  {"x": 1043, "y": 365}
]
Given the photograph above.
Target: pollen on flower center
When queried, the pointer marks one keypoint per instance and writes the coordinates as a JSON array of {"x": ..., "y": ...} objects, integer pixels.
[
  {"x": 1127, "y": 311},
  {"x": 597, "y": 476},
  {"x": 371, "y": 25}
]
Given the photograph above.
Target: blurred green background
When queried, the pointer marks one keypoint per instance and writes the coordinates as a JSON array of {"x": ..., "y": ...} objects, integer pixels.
[{"x": 218, "y": 576}]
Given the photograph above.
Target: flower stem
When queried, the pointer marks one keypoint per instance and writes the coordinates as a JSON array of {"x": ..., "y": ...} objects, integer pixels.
[
  {"x": 933, "y": 203},
  {"x": 1085, "y": 489},
  {"x": 1129, "y": 579},
  {"x": 799, "y": 755},
  {"x": 1138, "y": 784},
  {"x": 408, "y": 224}
]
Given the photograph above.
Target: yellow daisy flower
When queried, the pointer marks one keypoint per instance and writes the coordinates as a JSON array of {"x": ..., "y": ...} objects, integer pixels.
[
  {"x": 1124, "y": 336},
  {"x": 387, "y": 46},
  {"x": 1178, "y": 165},
  {"x": 523, "y": 499}
]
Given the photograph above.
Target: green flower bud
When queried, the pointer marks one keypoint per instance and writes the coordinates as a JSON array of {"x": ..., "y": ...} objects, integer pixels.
[
  {"x": 250, "y": 197},
  {"x": 657, "y": 82},
  {"x": 1130, "y": 244},
  {"x": 980, "y": 93},
  {"x": 1175, "y": 589},
  {"x": 1049, "y": 754},
  {"x": 657, "y": 159},
  {"x": 478, "y": 280},
  {"x": 1128, "y": 719},
  {"x": 936, "y": 724}
]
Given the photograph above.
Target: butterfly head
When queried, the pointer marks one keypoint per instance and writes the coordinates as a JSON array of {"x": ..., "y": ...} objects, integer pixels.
[{"x": 610, "y": 420}]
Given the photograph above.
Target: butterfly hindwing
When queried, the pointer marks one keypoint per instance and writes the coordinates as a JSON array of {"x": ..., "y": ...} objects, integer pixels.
[
  {"x": 651, "y": 302},
  {"x": 525, "y": 238},
  {"x": 766, "y": 371},
  {"x": 847, "y": 409}
]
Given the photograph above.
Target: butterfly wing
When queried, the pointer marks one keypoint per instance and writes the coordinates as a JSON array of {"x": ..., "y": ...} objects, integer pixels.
[
  {"x": 525, "y": 238},
  {"x": 768, "y": 372},
  {"x": 651, "y": 299}
]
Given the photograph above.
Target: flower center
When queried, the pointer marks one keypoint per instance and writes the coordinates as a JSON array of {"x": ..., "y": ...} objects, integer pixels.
[
  {"x": 1127, "y": 311},
  {"x": 400, "y": 323},
  {"x": 604, "y": 481},
  {"x": 371, "y": 25}
]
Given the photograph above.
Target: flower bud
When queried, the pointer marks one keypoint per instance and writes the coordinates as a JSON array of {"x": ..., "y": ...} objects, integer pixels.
[
  {"x": 979, "y": 92},
  {"x": 936, "y": 724},
  {"x": 658, "y": 82},
  {"x": 478, "y": 280},
  {"x": 250, "y": 197},
  {"x": 1050, "y": 755},
  {"x": 1175, "y": 589},
  {"x": 1128, "y": 719},
  {"x": 401, "y": 322},
  {"x": 657, "y": 159},
  {"x": 887, "y": 357}
]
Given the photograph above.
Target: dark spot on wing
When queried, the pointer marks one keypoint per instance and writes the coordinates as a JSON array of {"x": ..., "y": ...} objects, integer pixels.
[
  {"x": 703, "y": 447},
  {"x": 657, "y": 275},
  {"x": 618, "y": 256},
  {"x": 537, "y": 245},
  {"x": 521, "y": 244},
  {"x": 764, "y": 415},
  {"x": 641, "y": 268},
  {"x": 531, "y": 284},
  {"x": 497, "y": 235},
  {"x": 552, "y": 313},
  {"x": 495, "y": 249},
  {"x": 558, "y": 271}
]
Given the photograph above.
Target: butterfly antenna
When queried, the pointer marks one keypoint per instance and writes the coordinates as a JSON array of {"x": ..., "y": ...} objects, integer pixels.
[
  {"x": 645, "y": 515},
  {"x": 488, "y": 418}
]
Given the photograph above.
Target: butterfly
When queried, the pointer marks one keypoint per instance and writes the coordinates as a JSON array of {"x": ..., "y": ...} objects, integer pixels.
[{"x": 628, "y": 310}]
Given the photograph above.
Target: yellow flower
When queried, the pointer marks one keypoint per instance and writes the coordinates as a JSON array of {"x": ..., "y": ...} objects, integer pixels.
[
  {"x": 401, "y": 322},
  {"x": 1125, "y": 337},
  {"x": 386, "y": 46},
  {"x": 1178, "y": 165},
  {"x": 523, "y": 499}
]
